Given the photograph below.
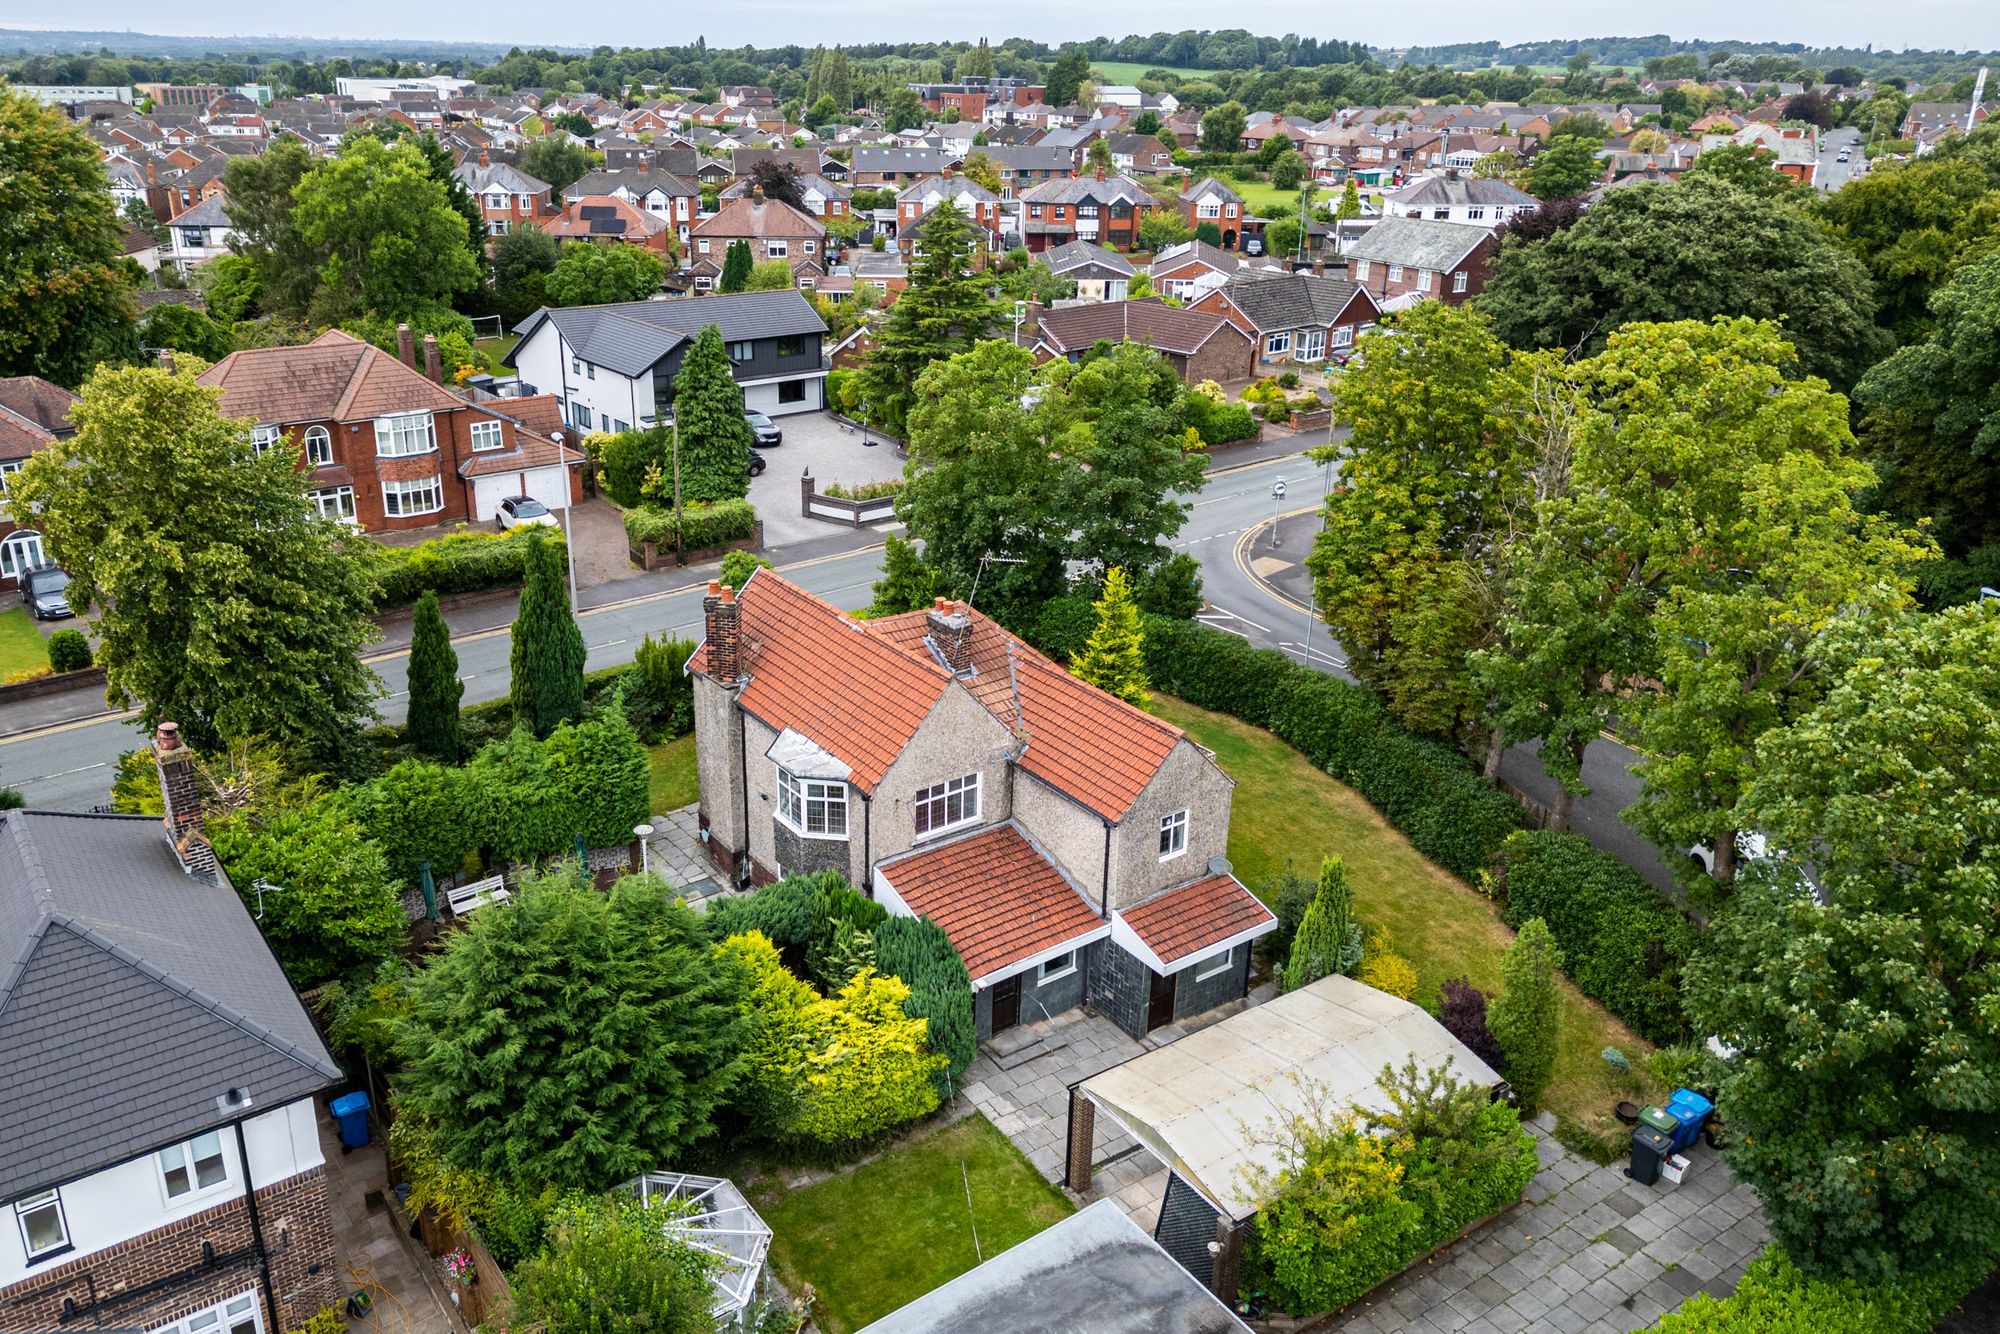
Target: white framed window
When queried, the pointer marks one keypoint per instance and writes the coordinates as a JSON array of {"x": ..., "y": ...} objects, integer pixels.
[
  {"x": 1086, "y": 210},
  {"x": 1475, "y": 215},
  {"x": 1395, "y": 273},
  {"x": 1034, "y": 210},
  {"x": 1312, "y": 345},
  {"x": 590, "y": 370},
  {"x": 8, "y": 469},
  {"x": 1054, "y": 969},
  {"x": 576, "y": 365},
  {"x": 497, "y": 227},
  {"x": 20, "y": 552},
  {"x": 1278, "y": 344},
  {"x": 422, "y": 495},
  {"x": 620, "y": 426},
  {"x": 334, "y": 502},
  {"x": 1361, "y": 270},
  {"x": 263, "y": 437},
  {"x": 1217, "y": 966},
  {"x": 318, "y": 446},
  {"x": 948, "y": 805},
  {"x": 1423, "y": 280},
  {"x": 486, "y": 435},
  {"x": 404, "y": 434},
  {"x": 1208, "y": 208},
  {"x": 44, "y": 1230},
  {"x": 1173, "y": 835},
  {"x": 1458, "y": 281},
  {"x": 809, "y": 247},
  {"x": 777, "y": 249},
  {"x": 811, "y": 807},
  {"x": 1343, "y": 335},
  {"x": 701, "y": 246},
  {"x": 190, "y": 1169},
  {"x": 237, "y": 1315}
]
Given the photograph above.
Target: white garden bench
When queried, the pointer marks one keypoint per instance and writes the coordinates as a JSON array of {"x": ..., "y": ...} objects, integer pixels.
[{"x": 463, "y": 899}]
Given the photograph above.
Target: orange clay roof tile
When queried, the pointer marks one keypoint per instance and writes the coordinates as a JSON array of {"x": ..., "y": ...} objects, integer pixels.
[
  {"x": 998, "y": 898},
  {"x": 1180, "y": 921}
]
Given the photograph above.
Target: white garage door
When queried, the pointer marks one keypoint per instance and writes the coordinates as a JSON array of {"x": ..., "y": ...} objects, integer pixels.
[{"x": 544, "y": 484}]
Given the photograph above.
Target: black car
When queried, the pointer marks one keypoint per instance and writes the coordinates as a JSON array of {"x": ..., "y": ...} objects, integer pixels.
[
  {"x": 764, "y": 432},
  {"x": 757, "y": 464},
  {"x": 43, "y": 590}
]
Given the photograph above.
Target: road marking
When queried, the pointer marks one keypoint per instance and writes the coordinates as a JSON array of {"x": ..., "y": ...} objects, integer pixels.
[
  {"x": 1235, "y": 617},
  {"x": 609, "y": 643},
  {"x": 1316, "y": 654},
  {"x": 43, "y": 778}
]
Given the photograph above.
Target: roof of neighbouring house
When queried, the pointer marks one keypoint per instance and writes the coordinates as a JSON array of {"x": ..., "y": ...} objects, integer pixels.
[
  {"x": 1277, "y": 300},
  {"x": 1450, "y": 192},
  {"x": 1071, "y": 256},
  {"x": 1419, "y": 242},
  {"x": 631, "y": 336},
  {"x": 479, "y": 177},
  {"x": 210, "y": 212},
  {"x": 132, "y": 996},
  {"x": 45, "y": 404},
  {"x": 1171, "y": 329},
  {"x": 1094, "y": 1269},
  {"x": 639, "y": 181},
  {"x": 1000, "y": 899},
  {"x": 1181, "y": 921},
  {"x": 760, "y": 217},
  {"x": 21, "y": 436},
  {"x": 335, "y": 377}
]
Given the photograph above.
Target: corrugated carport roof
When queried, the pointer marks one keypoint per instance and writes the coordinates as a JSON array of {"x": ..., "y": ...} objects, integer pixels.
[{"x": 1207, "y": 1105}]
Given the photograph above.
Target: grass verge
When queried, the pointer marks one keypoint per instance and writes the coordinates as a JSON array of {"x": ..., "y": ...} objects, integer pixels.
[
  {"x": 1287, "y": 812},
  {"x": 22, "y": 648},
  {"x": 889, "y": 1231},
  {"x": 674, "y": 781}
]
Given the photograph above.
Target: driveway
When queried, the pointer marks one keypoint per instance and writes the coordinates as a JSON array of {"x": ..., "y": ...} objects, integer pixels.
[
  {"x": 815, "y": 443},
  {"x": 597, "y": 536}
]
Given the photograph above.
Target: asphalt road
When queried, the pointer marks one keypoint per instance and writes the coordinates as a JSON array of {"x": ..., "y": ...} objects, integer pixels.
[{"x": 1833, "y": 173}]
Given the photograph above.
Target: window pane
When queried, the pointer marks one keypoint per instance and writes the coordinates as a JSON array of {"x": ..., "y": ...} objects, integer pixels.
[
  {"x": 43, "y": 1224},
  {"x": 209, "y": 1169}
]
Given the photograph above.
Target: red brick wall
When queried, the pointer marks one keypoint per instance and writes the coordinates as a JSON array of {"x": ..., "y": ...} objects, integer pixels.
[
  {"x": 298, "y": 1233},
  {"x": 1229, "y": 355}
]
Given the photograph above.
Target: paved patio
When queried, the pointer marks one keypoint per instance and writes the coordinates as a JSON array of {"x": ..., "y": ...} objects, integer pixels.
[
  {"x": 368, "y": 1251},
  {"x": 676, "y": 854}
]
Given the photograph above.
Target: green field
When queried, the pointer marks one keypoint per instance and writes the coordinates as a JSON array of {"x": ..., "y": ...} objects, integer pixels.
[
  {"x": 1131, "y": 71},
  {"x": 22, "y": 648}
]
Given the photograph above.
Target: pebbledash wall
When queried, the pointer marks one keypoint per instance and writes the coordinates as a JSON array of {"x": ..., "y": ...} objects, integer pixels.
[{"x": 144, "y": 1264}]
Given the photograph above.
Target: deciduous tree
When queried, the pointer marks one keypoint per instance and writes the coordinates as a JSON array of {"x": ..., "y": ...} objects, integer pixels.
[
  {"x": 558, "y": 160},
  {"x": 589, "y": 275},
  {"x": 523, "y": 259},
  {"x": 1566, "y": 168},
  {"x": 1222, "y": 128},
  {"x": 383, "y": 234}
]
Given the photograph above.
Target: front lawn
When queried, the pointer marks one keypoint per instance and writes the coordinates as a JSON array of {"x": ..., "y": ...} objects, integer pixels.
[
  {"x": 22, "y": 648},
  {"x": 1286, "y": 811},
  {"x": 674, "y": 781},
  {"x": 889, "y": 1231}
]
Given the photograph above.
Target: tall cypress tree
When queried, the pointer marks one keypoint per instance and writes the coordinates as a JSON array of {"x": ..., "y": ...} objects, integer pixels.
[
  {"x": 434, "y": 685},
  {"x": 715, "y": 439},
  {"x": 944, "y": 311},
  {"x": 1329, "y": 939},
  {"x": 1114, "y": 660},
  {"x": 548, "y": 646},
  {"x": 736, "y": 267},
  {"x": 1523, "y": 1016}
]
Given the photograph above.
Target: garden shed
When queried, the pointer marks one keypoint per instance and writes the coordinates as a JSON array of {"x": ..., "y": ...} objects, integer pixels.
[
  {"x": 711, "y": 1215},
  {"x": 1206, "y": 1105}
]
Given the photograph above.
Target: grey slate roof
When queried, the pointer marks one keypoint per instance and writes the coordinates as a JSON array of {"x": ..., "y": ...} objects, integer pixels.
[
  {"x": 210, "y": 212},
  {"x": 1029, "y": 157},
  {"x": 1289, "y": 301},
  {"x": 1423, "y": 242},
  {"x": 636, "y": 181},
  {"x": 131, "y": 996},
  {"x": 1074, "y": 255},
  {"x": 631, "y": 336},
  {"x": 902, "y": 159},
  {"x": 478, "y": 179},
  {"x": 1445, "y": 192}
]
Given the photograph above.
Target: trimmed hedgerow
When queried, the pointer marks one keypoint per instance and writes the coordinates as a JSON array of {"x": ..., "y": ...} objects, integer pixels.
[
  {"x": 706, "y": 525},
  {"x": 1622, "y": 941},
  {"x": 1773, "y": 1297},
  {"x": 1425, "y": 788},
  {"x": 454, "y": 563}
]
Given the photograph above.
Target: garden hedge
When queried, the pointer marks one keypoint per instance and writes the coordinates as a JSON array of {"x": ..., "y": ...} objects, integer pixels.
[
  {"x": 1773, "y": 1297},
  {"x": 1423, "y": 787},
  {"x": 1622, "y": 940},
  {"x": 917, "y": 950},
  {"x": 706, "y": 525},
  {"x": 454, "y": 563}
]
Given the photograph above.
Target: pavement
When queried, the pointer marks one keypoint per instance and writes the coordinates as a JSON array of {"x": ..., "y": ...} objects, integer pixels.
[{"x": 369, "y": 1251}]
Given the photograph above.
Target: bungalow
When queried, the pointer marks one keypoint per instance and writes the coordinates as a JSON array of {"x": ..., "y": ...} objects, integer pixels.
[
  {"x": 1201, "y": 345},
  {"x": 1298, "y": 317}
]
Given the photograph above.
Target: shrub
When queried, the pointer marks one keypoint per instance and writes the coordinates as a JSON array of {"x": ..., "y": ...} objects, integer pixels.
[
  {"x": 602, "y": 771},
  {"x": 1390, "y": 972},
  {"x": 1219, "y": 423},
  {"x": 1625, "y": 943},
  {"x": 843, "y": 392},
  {"x": 1062, "y": 627},
  {"x": 623, "y": 460},
  {"x": 738, "y": 566},
  {"x": 1288, "y": 380},
  {"x": 1289, "y": 894},
  {"x": 612, "y": 1265},
  {"x": 917, "y": 950},
  {"x": 1328, "y": 939},
  {"x": 69, "y": 651},
  {"x": 535, "y": 797},
  {"x": 327, "y": 1319},
  {"x": 864, "y": 490},
  {"x": 1774, "y": 1297},
  {"x": 706, "y": 525},
  {"x": 786, "y": 913},
  {"x": 455, "y": 563},
  {"x": 1172, "y": 588},
  {"x": 656, "y": 694},
  {"x": 419, "y": 812},
  {"x": 1462, "y": 1011},
  {"x": 1524, "y": 1016},
  {"x": 867, "y": 1066}
]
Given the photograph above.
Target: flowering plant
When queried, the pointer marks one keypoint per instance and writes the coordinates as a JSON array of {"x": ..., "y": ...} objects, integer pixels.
[{"x": 458, "y": 1265}]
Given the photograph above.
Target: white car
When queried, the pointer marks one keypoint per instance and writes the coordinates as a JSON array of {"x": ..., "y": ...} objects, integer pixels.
[{"x": 524, "y": 512}]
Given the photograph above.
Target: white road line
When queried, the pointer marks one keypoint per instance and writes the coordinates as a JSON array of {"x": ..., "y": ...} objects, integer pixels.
[
  {"x": 1226, "y": 629},
  {"x": 1245, "y": 619},
  {"x": 609, "y": 643},
  {"x": 43, "y": 778},
  {"x": 1291, "y": 647}
]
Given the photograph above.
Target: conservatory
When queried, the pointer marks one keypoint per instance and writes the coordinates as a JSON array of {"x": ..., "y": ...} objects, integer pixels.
[{"x": 711, "y": 1215}]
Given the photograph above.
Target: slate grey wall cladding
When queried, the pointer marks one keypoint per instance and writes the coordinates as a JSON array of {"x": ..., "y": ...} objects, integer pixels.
[
  {"x": 1118, "y": 987},
  {"x": 802, "y": 856},
  {"x": 1038, "y": 1001},
  {"x": 982, "y": 1013},
  {"x": 1192, "y": 997}
]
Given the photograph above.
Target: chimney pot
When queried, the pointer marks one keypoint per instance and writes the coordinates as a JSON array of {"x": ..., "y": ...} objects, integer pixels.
[
  {"x": 168, "y": 735},
  {"x": 167, "y": 360},
  {"x": 433, "y": 360},
  {"x": 406, "y": 346}
]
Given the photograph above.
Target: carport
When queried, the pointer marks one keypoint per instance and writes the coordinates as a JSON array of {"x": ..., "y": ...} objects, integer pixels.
[{"x": 1207, "y": 1105}]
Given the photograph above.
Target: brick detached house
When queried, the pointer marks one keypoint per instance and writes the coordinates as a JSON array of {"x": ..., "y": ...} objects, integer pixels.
[
  {"x": 916, "y": 200},
  {"x": 1404, "y": 260},
  {"x": 660, "y": 193},
  {"x": 1201, "y": 345},
  {"x": 614, "y": 220},
  {"x": 1100, "y": 209},
  {"x": 773, "y": 229},
  {"x": 506, "y": 195},
  {"x": 33, "y": 415},
  {"x": 1212, "y": 201},
  {"x": 1293, "y": 317},
  {"x": 1069, "y": 844},
  {"x": 160, "y": 1158},
  {"x": 388, "y": 446}
]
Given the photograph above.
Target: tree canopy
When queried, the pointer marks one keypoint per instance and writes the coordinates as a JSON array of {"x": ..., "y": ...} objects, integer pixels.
[
  {"x": 715, "y": 438},
  {"x": 383, "y": 233},
  {"x": 943, "y": 311},
  {"x": 587, "y": 274}
]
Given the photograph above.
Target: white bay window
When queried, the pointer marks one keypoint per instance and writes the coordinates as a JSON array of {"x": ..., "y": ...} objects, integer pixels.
[
  {"x": 812, "y": 807},
  {"x": 404, "y": 434},
  {"x": 421, "y": 495}
]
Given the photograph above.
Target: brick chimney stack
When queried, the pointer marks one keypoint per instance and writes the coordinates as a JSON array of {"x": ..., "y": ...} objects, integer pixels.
[
  {"x": 1100, "y": 173},
  {"x": 167, "y": 360},
  {"x": 485, "y": 159},
  {"x": 951, "y": 634},
  {"x": 180, "y": 796},
  {"x": 406, "y": 346},
  {"x": 723, "y": 615},
  {"x": 433, "y": 360}
]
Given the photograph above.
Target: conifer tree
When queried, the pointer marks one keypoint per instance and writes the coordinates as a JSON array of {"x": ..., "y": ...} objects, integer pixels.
[
  {"x": 435, "y": 689},
  {"x": 1114, "y": 660},
  {"x": 907, "y": 584},
  {"x": 1522, "y": 1017},
  {"x": 715, "y": 439},
  {"x": 548, "y": 647},
  {"x": 1329, "y": 939},
  {"x": 736, "y": 268},
  {"x": 943, "y": 311}
]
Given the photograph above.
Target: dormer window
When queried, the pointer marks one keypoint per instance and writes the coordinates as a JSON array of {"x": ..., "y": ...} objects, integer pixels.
[{"x": 263, "y": 437}]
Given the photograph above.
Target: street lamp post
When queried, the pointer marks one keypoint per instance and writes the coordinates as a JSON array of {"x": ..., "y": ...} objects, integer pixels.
[
  {"x": 866, "y": 443},
  {"x": 1277, "y": 499},
  {"x": 680, "y": 537},
  {"x": 1325, "y": 488}
]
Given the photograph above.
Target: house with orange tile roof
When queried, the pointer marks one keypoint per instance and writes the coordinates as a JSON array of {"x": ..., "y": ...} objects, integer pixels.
[
  {"x": 388, "y": 446},
  {"x": 34, "y": 414},
  {"x": 1070, "y": 845}
]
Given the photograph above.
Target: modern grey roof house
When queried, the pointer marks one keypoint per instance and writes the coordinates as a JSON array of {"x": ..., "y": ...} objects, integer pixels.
[
  {"x": 153, "y": 1059},
  {"x": 612, "y": 367}
]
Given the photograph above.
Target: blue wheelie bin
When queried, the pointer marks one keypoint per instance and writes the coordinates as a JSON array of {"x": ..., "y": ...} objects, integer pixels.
[
  {"x": 1692, "y": 1111},
  {"x": 350, "y": 1113}
]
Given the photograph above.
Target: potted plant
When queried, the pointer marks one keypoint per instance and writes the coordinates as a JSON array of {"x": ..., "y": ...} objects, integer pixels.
[{"x": 459, "y": 1265}]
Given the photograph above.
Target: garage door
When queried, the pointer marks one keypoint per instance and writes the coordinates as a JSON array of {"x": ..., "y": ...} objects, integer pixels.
[{"x": 544, "y": 484}]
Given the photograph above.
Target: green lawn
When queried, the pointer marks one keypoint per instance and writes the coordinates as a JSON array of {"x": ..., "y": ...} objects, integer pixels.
[
  {"x": 1285, "y": 810},
  {"x": 22, "y": 648},
  {"x": 1129, "y": 72},
  {"x": 675, "y": 782},
  {"x": 887, "y": 1232},
  {"x": 496, "y": 348}
]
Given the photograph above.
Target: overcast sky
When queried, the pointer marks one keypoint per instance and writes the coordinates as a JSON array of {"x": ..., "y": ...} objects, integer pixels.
[{"x": 1957, "y": 24}]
